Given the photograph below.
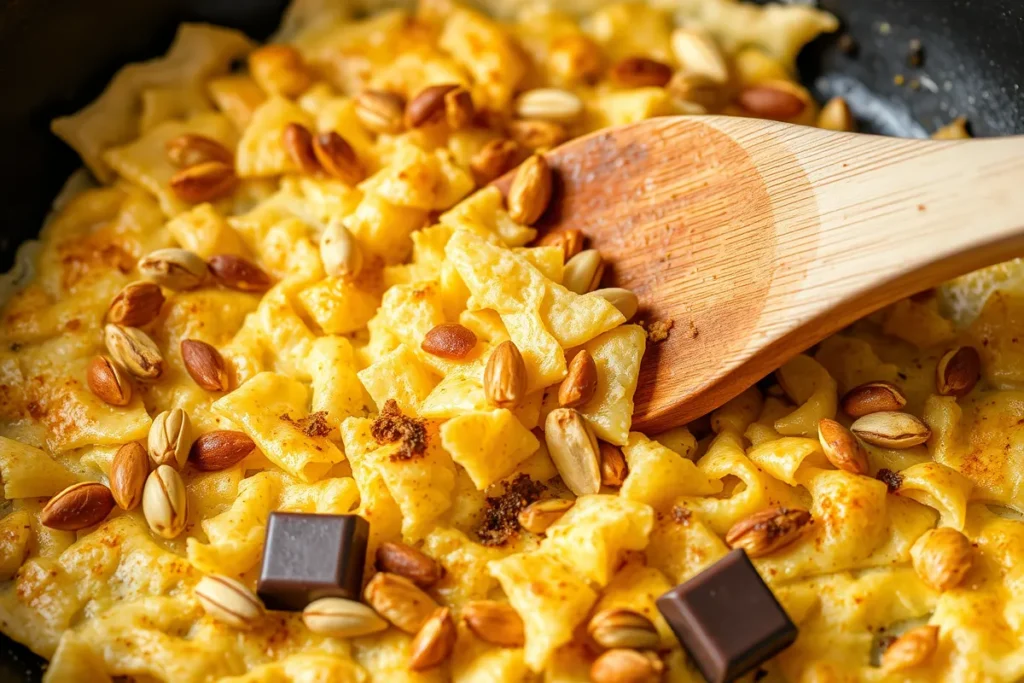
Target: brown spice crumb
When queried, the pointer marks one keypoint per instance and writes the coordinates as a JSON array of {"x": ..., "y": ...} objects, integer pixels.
[
  {"x": 391, "y": 426},
  {"x": 891, "y": 479},
  {"x": 501, "y": 516},
  {"x": 657, "y": 331},
  {"x": 314, "y": 424}
]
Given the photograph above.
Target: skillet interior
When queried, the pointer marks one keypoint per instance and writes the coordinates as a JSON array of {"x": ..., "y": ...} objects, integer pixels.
[{"x": 56, "y": 56}]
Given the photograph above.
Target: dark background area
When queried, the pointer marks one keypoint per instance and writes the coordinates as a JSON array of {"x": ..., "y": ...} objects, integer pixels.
[{"x": 56, "y": 56}]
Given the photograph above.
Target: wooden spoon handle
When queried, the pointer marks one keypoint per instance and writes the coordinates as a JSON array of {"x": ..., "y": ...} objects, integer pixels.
[{"x": 880, "y": 219}]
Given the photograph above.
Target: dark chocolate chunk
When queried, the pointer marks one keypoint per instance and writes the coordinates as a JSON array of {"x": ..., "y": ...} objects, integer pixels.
[
  {"x": 308, "y": 557},
  {"x": 727, "y": 619}
]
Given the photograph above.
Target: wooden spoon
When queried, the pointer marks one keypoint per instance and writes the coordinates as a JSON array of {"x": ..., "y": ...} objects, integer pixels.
[{"x": 758, "y": 239}]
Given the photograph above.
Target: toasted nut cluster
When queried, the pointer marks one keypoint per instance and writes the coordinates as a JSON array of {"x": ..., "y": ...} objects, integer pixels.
[
  {"x": 580, "y": 381},
  {"x": 434, "y": 641},
  {"x": 132, "y": 349},
  {"x": 570, "y": 241},
  {"x": 530, "y": 192},
  {"x": 623, "y": 628},
  {"x": 913, "y": 648},
  {"x": 873, "y": 397},
  {"x": 891, "y": 430},
  {"x": 493, "y": 622},
  {"x": 942, "y": 557},
  {"x": 406, "y": 561},
  {"x": 841, "y": 447},
  {"x": 109, "y": 382},
  {"x": 229, "y": 601},
  {"x": 164, "y": 502},
  {"x": 219, "y": 450},
  {"x": 767, "y": 531},
  {"x": 614, "y": 469},
  {"x": 238, "y": 273},
  {"x": 170, "y": 437},
  {"x": 958, "y": 371},
  {"x": 78, "y": 506},
  {"x": 341, "y": 618},
  {"x": 449, "y": 340},
  {"x": 505, "y": 376},
  {"x": 626, "y": 666},
  {"x": 537, "y": 517},
  {"x": 204, "y": 365},
  {"x": 400, "y": 601},
  {"x": 573, "y": 448},
  {"x": 380, "y": 111},
  {"x": 136, "y": 305},
  {"x": 128, "y": 472}
]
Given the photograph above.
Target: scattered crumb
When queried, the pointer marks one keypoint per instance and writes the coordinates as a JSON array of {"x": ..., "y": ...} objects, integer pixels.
[
  {"x": 899, "y": 79},
  {"x": 915, "y": 54},
  {"x": 885, "y": 28},
  {"x": 915, "y": 84},
  {"x": 314, "y": 424},
  {"x": 848, "y": 45},
  {"x": 391, "y": 426},
  {"x": 891, "y": 479},
  {"x": 501, "y": 516},
  {"x": 680, "y": 514},
  {"x": 657, "y": 331}
]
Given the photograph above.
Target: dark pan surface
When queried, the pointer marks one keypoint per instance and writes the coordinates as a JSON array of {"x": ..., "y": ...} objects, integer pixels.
[{"x": 56, "y": 55}]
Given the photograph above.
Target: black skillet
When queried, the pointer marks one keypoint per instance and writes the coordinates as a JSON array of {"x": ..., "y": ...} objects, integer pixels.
[{"x": 56, "y": 55}]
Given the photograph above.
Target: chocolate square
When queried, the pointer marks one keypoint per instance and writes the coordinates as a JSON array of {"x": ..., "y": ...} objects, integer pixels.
[
  {"x": 307, "y": 557},
  {"x": 727, "y": 618}
]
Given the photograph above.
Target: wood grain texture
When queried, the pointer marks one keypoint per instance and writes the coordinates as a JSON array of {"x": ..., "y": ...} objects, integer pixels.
[{"x": 758, "y": 239}]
